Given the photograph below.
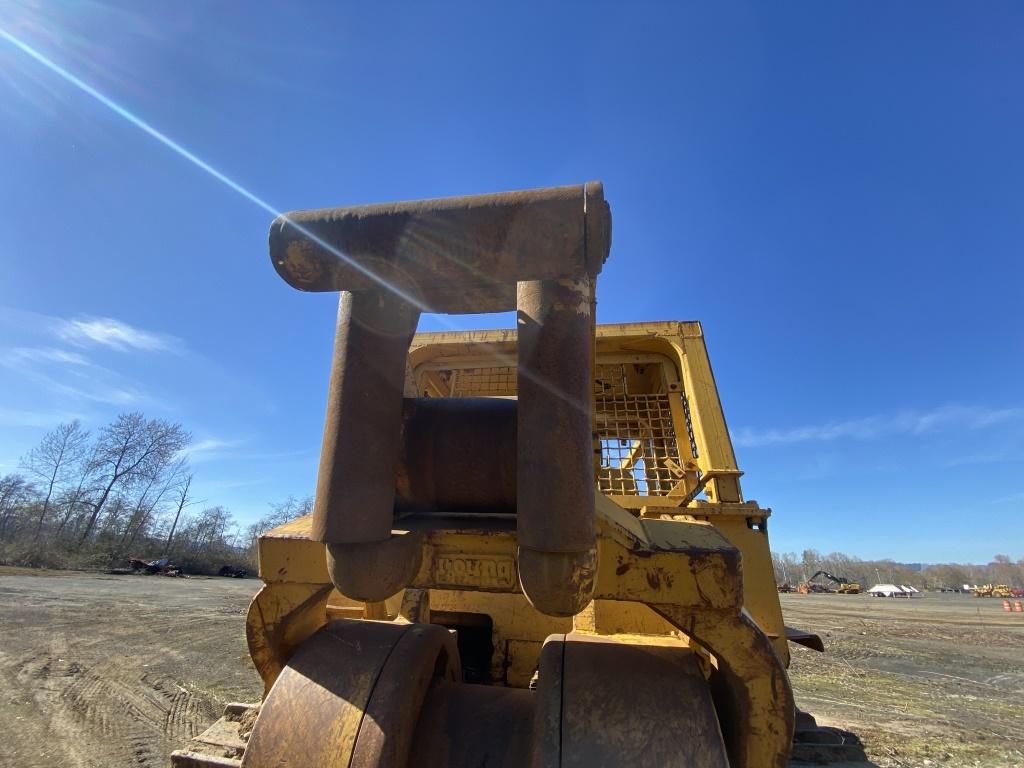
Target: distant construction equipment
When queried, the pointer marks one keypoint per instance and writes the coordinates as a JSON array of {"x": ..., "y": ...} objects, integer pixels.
[
  {"x": 844, "y": 586},
  {"x": 989, "y": 590}
]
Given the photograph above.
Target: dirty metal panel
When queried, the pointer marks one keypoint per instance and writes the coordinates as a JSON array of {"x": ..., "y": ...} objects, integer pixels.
[
  {"x": 288, "y": 553},
  {"x": 626, "y": 704},
  {"x": 651, "y": 561},
  {"x": 328, "y": 698},
  {"x": 520, "y": 662}
]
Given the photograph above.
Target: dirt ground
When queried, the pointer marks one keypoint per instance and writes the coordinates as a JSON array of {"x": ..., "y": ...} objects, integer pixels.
[
  {"x": 936, "y": 680},
  {"x": 105, "y": 671}
]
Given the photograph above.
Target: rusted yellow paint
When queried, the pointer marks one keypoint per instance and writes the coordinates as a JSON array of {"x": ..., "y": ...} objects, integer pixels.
[{"x": 669, "y": 571}]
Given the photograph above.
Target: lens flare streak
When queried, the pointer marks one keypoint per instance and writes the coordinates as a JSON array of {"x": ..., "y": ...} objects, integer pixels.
[
  {"x": 197, "y": 161},
  {"x": 171, "y": 144}
]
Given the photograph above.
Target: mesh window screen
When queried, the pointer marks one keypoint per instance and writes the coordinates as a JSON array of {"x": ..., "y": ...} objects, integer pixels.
[{"x": 633, "y": 419}]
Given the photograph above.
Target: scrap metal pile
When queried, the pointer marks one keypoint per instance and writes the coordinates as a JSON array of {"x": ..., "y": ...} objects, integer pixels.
[{"x": 162, "y": 566}]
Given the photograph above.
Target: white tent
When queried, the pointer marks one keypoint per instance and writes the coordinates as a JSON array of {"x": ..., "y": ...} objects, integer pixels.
[{"x": 888, "y": 590}]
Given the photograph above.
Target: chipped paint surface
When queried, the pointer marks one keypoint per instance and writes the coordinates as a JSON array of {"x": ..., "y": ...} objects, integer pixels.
[
  {"x": 576, "y": 297},
  {"x": 300, "y": 264}
]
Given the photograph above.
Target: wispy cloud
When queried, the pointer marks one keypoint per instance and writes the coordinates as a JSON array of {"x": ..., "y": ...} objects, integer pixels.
[
  {"x": 94, "y": 391},
  {"x": 86, "y": 331},
  {"x": 870, "y": 427},
  {"x": 208, "y": 449},
  {"x": 115, "y": 334},
  {"x": 49, "y": 355},
  {"x": 234, "y": 451},
  {"x": 71, "y": 375},
  {"x": 227, "y": 485}
]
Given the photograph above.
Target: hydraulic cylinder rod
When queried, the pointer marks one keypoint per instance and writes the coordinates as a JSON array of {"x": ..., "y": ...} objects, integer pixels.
[{"x": 555, "y": 495}]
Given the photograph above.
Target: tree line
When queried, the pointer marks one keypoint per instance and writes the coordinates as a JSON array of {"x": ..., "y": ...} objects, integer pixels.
[
  {"x": 92, "y": 500},
  {"x": 792, "y": 569}
]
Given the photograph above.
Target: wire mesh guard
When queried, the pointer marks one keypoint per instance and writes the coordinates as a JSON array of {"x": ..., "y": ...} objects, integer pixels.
[
  {"x": 633, "y": 420},
  {"x": 639, "y": 456}
]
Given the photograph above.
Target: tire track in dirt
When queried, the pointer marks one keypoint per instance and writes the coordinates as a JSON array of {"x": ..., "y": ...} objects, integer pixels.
[
  {"x": 116, "y": 673},
  {"x": 127, "y": 719}
]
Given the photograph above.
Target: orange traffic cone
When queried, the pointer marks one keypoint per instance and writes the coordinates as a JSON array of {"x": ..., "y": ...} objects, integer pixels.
[
  {"x": 1018, "y": 607},
  {"x": 1006, "y": 606}
]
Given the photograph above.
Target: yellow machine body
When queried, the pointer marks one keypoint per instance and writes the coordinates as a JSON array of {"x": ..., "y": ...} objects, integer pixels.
[
  {"x": 667, "y": 481},
  {"x": 665, "y": 454},
  {"x": 631, "y": 618}
]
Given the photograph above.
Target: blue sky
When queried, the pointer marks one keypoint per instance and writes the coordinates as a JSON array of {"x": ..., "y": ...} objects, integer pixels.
[{"x": 836, "y": 190}]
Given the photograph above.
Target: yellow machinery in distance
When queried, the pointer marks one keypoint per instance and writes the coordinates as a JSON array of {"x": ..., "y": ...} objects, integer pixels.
[
  {"x": 990, "y": 590},
  {"x": 529, "y": 547}
]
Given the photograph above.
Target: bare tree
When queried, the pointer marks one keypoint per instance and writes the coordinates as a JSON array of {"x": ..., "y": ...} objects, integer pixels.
[
  {"x": 208, "y": 529},
  {"x": 145, "y": 501},
  {"x": 809, "y": 560},
  {"x": 1002, "y": 569},
  {"x": 785, "y": 567},
  {"x": 183, "y": 501},
  {"x": 154, "y": 487},
  {"x": 284, "y": 511},
  {"x": 116, "y": 512},
  {"x": 51, "y": 460},
  {"x": 129, "y": 487},
  {"x": 74, "y": 498},
  {"x": 129, "y": 448},
  {"x": 280, "y": 513},
  {"x": 176, "y": 478},
  {"x": 15, "y": 491}
]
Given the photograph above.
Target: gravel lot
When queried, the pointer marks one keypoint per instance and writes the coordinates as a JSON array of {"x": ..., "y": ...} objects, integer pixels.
[
  {"x": 936, "y": 680},
  {"x": 107, "y": 671}
]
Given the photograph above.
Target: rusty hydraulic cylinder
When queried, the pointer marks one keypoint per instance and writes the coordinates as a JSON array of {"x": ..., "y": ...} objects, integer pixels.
[
  {"x": 458, "y": 455},
  {"x": 454, "y": 254},
  {"x": 539, "y": 249},
  {"x": 555, "y": 498},
  {"x": 355, "y": 493}
]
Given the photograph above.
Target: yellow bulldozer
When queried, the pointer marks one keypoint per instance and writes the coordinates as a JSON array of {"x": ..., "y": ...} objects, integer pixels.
[
  {"x": 529, "y": 547},
  {"x": 993, "y": 590}
]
